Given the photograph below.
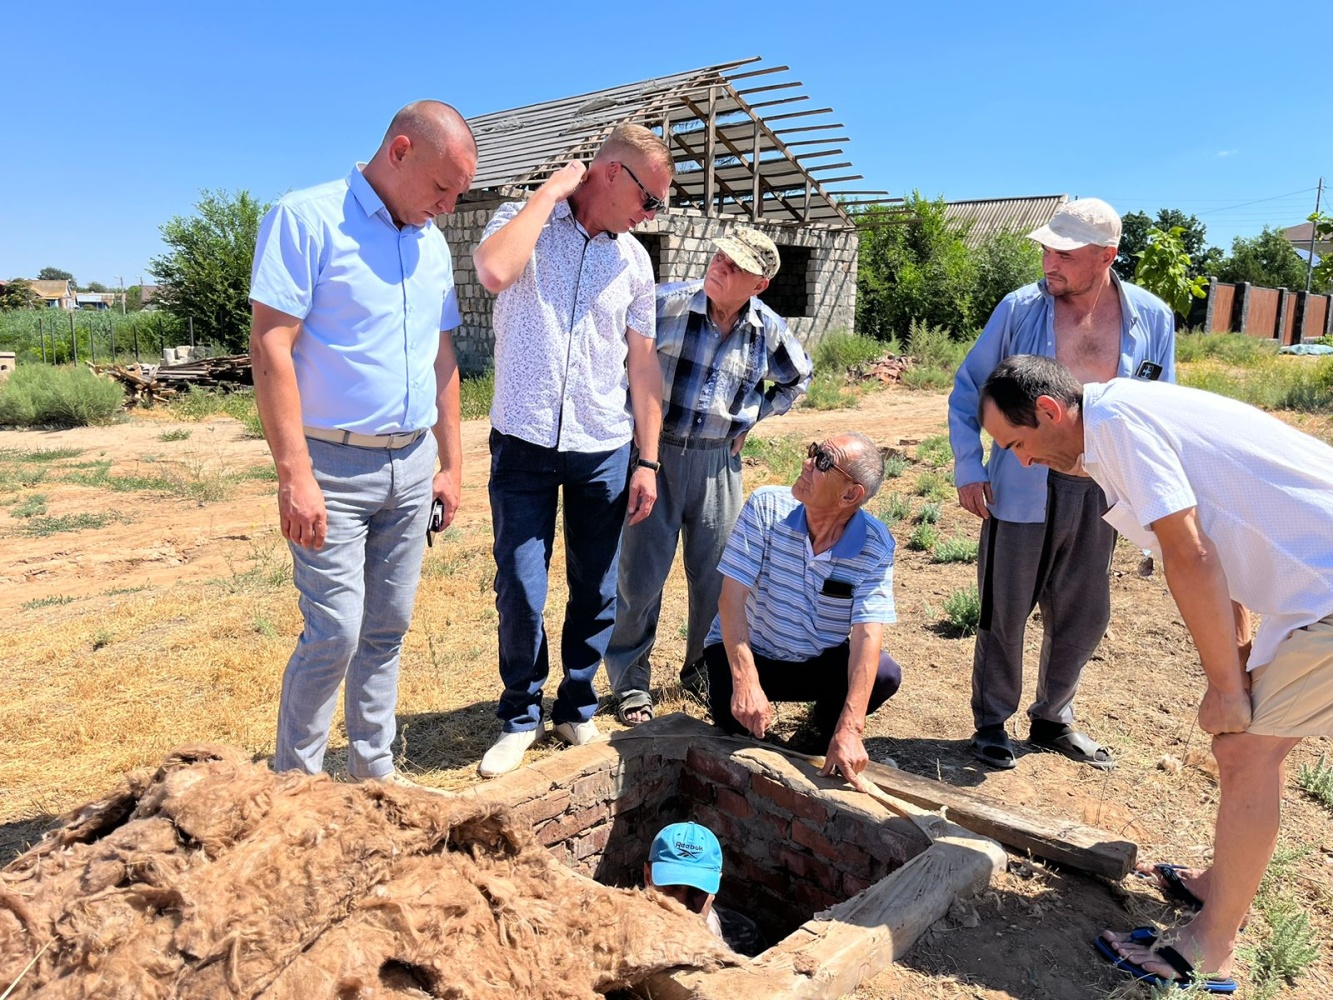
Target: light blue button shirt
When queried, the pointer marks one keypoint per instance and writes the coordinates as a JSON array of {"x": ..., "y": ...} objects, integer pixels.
[
  {"x": 1024, "y": 323},
  {"x": 372, "y": 300}
]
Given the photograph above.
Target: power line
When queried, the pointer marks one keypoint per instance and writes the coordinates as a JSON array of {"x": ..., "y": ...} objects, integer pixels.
[{"x": 1246, "y": 204}]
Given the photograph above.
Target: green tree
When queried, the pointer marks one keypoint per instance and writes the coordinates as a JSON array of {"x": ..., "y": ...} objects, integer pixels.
[
  {"x": 18, "y": 293},
  {"x": 95, "y": 286},
  {"x": 1004, "y": 261},
  {"x": 205, "y": 275},
  {"x": 1267, "y": 260},
  {"x": 56, "y": 274},
  {"x": 1164, "y": 270},
  {"x": 1204, "y": 260},
  {"x": 913, "y": 265}
]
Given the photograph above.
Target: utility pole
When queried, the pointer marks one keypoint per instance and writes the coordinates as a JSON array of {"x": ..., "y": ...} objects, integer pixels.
[
  {"x": 121, "y": 279},
  {"x": 1309, "y": 265}
]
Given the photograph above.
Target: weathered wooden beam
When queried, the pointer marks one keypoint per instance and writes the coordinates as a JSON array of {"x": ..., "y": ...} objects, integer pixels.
[
  {"x": 710, "y": 153},
  {"x": 754, "y": 72},
  {"x": 1017, "y": 827}
]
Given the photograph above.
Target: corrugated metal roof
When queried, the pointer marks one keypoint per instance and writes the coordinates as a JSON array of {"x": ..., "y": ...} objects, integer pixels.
[
  {"x": 985, "y": 216},
  {"x": 521, "y": 147},
  {"x": 1299, "y": 237}
]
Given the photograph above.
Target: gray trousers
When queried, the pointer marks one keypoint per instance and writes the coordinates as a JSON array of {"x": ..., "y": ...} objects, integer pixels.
[
  {"x": 356, "y": 596},
  {"x": 1063, "y": 567},
  {"x": 698, "y": 500}
]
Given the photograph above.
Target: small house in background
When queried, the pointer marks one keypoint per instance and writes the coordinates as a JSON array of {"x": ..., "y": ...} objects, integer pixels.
[
  {"x": 746, "y": 153},
  {"x": 96, "y": 300},
  {"x": 55, "y": 294}
]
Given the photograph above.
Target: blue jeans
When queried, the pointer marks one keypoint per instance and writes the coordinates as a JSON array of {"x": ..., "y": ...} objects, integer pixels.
[
  {"x": 356, "y": 596},
  {"x": 525, "y": 489}
]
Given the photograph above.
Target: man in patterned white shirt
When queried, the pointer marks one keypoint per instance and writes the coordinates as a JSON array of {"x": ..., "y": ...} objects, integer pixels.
[
  {"x": 728, "y": 361},
  {"x": 807, "y": 591},
  {"x": 576, "y": 378},
  {"x": 1238, "y": 505}
]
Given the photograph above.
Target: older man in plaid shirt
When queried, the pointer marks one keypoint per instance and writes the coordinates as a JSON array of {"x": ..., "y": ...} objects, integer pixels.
[{"x": 727, "y": 361}]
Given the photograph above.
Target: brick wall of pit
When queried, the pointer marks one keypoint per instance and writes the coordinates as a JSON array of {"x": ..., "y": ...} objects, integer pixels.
[
  {"x": 787, "y": 855},
  {"x": 684, "y": 243}
]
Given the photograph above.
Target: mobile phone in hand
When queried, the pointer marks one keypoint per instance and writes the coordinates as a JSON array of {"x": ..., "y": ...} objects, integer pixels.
[{"x": 436, "y": 521}]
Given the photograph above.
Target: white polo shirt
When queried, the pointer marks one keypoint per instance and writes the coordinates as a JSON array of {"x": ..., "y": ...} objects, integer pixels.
[
  {"x": 560, "y": 348},
  {"x": 1264, "y": 492}
]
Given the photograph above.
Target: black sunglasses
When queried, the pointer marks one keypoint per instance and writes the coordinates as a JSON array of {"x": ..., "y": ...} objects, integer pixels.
[
  {"x": 651, "y": 203},
  {"x": 824, "y": 460}
]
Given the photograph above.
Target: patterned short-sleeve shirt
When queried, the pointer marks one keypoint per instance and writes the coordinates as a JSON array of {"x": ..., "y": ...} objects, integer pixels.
[
  {"x": 801, "y": 604},
  {"x": 560, "y": 340}
]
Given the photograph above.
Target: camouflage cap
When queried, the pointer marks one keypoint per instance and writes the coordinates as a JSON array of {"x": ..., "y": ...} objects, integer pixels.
[{"x": 751, "y": 250}]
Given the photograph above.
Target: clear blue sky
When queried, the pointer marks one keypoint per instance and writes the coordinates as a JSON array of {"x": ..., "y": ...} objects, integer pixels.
[{"x": 116, "y": 115}]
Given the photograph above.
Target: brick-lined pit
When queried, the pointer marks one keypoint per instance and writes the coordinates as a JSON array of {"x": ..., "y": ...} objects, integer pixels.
[{"x": 788, "y": 852}]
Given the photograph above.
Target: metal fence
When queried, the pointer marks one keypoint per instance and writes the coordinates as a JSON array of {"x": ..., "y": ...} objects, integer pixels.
[{"x": 1281, "y": 314}]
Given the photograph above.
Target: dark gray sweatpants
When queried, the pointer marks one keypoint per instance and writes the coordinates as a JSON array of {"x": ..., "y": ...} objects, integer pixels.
[{"x": 1063, "y": 567}]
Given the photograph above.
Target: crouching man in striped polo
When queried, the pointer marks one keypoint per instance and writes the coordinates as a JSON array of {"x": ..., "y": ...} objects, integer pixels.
[{"x": 807, "y": 591}]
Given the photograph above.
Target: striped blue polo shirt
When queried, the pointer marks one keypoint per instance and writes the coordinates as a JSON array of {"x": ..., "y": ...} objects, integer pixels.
[{"x": 789, "y": 613}]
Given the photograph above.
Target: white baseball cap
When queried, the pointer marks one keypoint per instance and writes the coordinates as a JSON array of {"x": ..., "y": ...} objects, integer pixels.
[{"x": 1086, "y": 222}]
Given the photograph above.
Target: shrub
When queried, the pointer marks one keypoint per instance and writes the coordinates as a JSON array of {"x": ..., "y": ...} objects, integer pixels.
[
  {"x": 962, "y": 610},
  {"x": 840, "y": 351},
  {"x": 1005, "y": 261},
  {"x": 784, "y": 456},
  {"x": 894, "y": 508},
  {"x": 1316, "y": 781},
  {"x": 62, "y": 397},
  {"x": 477, "y": 391},
  {"x": 894, "y": 466},
  {"x": 930, "y": 513},
  {"x": 923, "y": 538},
  {"x": 952, "y": 550},
  {"x": 828, "y": 391},
  {"x": 1291, "y": 945},
  {"x": 935, "y": 451},
  {"x": 932, "y": 486}
]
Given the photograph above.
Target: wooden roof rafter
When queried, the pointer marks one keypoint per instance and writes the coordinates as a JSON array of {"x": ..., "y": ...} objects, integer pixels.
[{"x": 730, "y": 157}]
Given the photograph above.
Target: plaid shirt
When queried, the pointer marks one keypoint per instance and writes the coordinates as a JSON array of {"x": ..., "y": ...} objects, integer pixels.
[{"x": 713, "y": 384}]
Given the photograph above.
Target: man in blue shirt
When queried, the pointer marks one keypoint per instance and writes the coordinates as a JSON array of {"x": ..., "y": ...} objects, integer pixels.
[
  {"x": 807, "y": 591},
  {"x": 353, "y": 299},
  {"x": 728, "y": 361},
  {"x": 1043, "y": 540}
]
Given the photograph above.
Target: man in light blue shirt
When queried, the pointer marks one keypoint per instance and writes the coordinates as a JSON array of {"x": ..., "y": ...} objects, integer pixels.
[
  {"x": 353, "y": 299},
  {"x": 1042, "y": 535},
  {"x": 807, "y": 590}
]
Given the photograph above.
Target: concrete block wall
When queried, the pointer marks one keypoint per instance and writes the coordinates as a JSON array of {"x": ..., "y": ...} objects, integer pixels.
[{"x": 686, "y": 247}]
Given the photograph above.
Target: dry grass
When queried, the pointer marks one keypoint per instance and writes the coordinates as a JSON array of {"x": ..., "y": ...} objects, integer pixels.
[{"x": 114, "y": 679}]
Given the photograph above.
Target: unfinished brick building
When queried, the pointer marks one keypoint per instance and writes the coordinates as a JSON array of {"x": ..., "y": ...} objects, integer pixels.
[{"x": 734, "y": 166}]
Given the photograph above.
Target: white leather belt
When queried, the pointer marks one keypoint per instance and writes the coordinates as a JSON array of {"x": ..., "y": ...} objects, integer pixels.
[{"x": 400, "y": 440}]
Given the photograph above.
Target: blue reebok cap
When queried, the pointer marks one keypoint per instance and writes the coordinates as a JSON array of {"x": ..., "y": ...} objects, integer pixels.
[{"x": 686, "y": 854}]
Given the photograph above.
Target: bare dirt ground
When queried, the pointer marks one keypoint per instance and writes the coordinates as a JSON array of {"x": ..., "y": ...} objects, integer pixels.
[{"x": 150, "y": 617}]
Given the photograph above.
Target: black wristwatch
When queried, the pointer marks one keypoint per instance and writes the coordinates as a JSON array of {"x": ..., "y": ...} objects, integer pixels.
[{"x": 645, "y": 464}]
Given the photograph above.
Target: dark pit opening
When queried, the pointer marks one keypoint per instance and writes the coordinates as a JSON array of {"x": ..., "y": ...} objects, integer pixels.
[{"x": 788, "y": 851}]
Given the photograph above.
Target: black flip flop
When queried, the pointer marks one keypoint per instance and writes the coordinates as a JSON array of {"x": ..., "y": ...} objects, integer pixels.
[
  {"x": 1171, "y": 884},
  {"x": 1186, "y": 976},
  {"x": 1074, "y": 745},
  {"x": 991, "y": 745}
]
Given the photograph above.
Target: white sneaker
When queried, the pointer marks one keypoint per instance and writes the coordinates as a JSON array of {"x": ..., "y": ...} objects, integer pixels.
[
  {"x": 576, "y": 734},
  {"x": 507, "y": 752}
]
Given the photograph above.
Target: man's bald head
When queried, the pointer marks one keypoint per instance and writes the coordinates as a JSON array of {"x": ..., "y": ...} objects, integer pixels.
[
  {"x": 426, "y": 161},
  {"x": 434, "y": 124}
]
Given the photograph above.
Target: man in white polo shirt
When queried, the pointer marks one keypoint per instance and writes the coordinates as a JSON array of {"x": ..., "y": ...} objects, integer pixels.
[
  {"x": 576, "y": 378},
  {"x": 353, "y": 299},
  {"x": 1239, "y": 505},
  {"x": 807, "y": 590}
]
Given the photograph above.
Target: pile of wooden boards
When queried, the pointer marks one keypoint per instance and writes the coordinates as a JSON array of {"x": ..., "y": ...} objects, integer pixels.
[{"x": 148, "y": 384}]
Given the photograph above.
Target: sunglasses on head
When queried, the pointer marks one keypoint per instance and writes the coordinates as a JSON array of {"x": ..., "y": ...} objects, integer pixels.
[
  {"x": 824, "y": 460},
  {"x": 651, "y": 203}
]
